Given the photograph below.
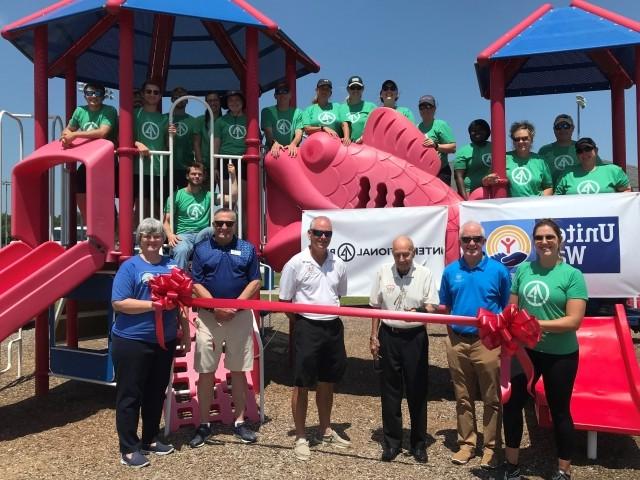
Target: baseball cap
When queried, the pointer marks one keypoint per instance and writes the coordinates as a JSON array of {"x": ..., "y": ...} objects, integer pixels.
[
  {"x": 563, "y": 117},
  {"x": 428, "y": 99},
  {"x": 586, "y": 142},
  {"x": 324, "y": 82},
  {"x": 389, "y": 83},
  {"x": 355, "y": 80},
  {"x": 282, "y": 87}
]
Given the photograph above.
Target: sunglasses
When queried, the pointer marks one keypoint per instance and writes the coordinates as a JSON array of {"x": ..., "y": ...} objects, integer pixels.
[
  {"x": 562, "y": 126},
  {"x": 282, "y": 92},
  {"x": 475, "y": 238},
  {"x": 387, "y": 88},
  {"x": 320, "y": 233},
  {"x": 584, "y": 150},
  {"x": 355, "y": 87},
  {"x": 224, "y": 223},
  {"x": 92, "y": 93},
  {"x": 152, "y": 92},
  {"x": 424, "y": 106},
  {"x": 539, "y": 238},
  {"x": 521, "y": 139}
]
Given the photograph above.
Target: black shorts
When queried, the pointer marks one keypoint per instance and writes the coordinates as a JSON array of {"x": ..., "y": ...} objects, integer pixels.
[
  {"x": 320, "y": 355},
  {"x": 81, "y": 178}
]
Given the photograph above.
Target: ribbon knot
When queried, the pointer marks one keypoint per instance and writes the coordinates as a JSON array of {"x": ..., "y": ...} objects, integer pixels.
[{"x": 169, "y": 291}]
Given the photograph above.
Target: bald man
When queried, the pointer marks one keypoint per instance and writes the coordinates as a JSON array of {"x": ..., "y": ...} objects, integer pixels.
[{"x": 402, "y": 347}]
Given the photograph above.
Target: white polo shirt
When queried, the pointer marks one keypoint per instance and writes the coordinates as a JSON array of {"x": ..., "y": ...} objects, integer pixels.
[
  {"x": 304, "y": 281},
  {"x": 390, "y": 291}
]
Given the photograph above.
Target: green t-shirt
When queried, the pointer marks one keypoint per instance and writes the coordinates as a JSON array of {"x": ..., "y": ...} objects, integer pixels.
[
  {"x": 475, "y": 160},
  {"x": 232, "y": 132},
  {"x": 203, "y": 130},
  {"x": 605, "y": 178},
  {"x": 183, "y": 141},
  {"x": 439, "y": 131},
  {"x": 407, "y": 113},
  {"x": 191, "y": 213},
  {"x": 357, "y": 116},
  {"x": 150, "y": 128},
  {"x": 328, "y": 116},
  {"x": 527, "y": 177},
  {"x": 560, "y": 159},
  {"x": 86, "y": 120},
  {"x": 544, "y": 293},
  {"x": 283, "y": 123}
]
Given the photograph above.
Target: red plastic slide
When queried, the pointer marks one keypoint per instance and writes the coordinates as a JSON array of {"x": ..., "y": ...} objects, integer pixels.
[{"x": 606, "y": 395}]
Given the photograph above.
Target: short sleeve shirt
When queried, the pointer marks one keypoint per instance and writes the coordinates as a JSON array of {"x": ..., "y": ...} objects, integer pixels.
[
  {"x": 85, "y": 120},
  {"x": 183, "y": 141},
  {"x": 391, "y": 291},
  {"x": 132, "y": 281},
  {"x": 439, "y": 131},
  {"x": 528, "y": 177},
  {"x": 357, "y": 116},
  {"x": 225, "y": 271},
  {"x": 191, "y": 211},
  {"x": 607, "y": 178},
  {"x": 475, "y": 160},
  {"x": 283, "y": 123},
  {"x": 304, "y": 281},
  {"x": 151, "y": 129},
  {"x": 544, "y": 293},
  {"x": 328, "y": 116},
  {"x": 232, "y": 132},
  {"x": 465, "y": 289}
]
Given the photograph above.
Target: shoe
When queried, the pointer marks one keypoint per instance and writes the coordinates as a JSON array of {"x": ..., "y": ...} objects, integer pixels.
[
  {"x": 137, "y": 460},
  {"x": 334, "y": 440},
  {"x": 561, "y": 475},
  {"x": 462, "y": 456},
  {"x": 388, "y": 454},
  {"x": 510, "y": 472},
  {"x": 158, "y": 448},
  {"x": 420, "y": 455},
  {"x": 244, "y": 433},
  {"x": 489, "y": 460},
  {"x": 301, "y": 449},
  {"x": 201, "y": 435}
]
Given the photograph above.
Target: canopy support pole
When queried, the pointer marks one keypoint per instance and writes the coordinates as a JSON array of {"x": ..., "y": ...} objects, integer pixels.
[
  {"x": 252, "y": 155},
  {"x": 498, "y": 140},
  {"x": 291, "y": 77},
  {"x": 618, "y": 136},
  {"x": 70, "y": 99},
  {"x": 637, "y": 81}
]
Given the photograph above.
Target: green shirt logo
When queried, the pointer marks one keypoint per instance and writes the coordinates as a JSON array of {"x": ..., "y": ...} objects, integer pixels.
[
  {"x": 195, "y": 211},
  {"x": 283, "y": 126},
  {"x": 486, "y": 159},
  {"x": 327, "y": 118},
  {"x": 521, "y": 175},
  {"x": 237, "y": 131},
  {"x": 353, "y": 117},
  {"x": 150, "y": 130},
  {"x": 588, "y": 187},
  {"x": 87, "y": 127},
  {"x": 536, "y": 293},
  {"x": 563, "y": 161},
  {"x": 181, "y": 129}
]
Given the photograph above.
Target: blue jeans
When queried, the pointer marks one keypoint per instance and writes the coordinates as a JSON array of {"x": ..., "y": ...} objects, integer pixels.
[{"x": 181, "y": 253}]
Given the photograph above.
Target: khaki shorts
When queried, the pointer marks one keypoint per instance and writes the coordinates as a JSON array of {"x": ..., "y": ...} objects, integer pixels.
[{"x": 236, "y": 334}]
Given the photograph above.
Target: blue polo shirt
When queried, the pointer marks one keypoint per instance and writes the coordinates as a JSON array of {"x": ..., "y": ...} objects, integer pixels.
[
  {"x": 464, "y": 290},
  {"x": 225, "y": 270}
]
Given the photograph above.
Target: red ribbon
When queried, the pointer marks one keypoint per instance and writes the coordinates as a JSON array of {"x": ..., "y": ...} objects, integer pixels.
[
  {"x": 512, "y": 330},
  {"x": 169, "y": 291}
]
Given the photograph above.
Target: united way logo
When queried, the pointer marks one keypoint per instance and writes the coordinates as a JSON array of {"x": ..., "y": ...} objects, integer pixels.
[
  {"x": 146, "y": 276},
  {"x": 588, "y": 187},
  {"x": 87, "y": 127},
  {"x": 327, "y": 118},
  {"x": 354, "y": 117},
  {"x": 181, "y": 129},
  {"x": 536, "y": 293},
  {"x": 283, "y": 126},
  {"x": 150, "y": 130},
  {"x": 237, "y": 131},
  {"x": 486, "y": 159},
  {"x": 195, "y": 211},
  {"x": 562, "y": 162},
  {"x": 521, "y": 175},
  {"x": 509, "y": 244}
]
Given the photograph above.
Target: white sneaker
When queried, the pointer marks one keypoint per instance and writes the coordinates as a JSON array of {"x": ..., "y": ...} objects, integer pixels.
[
  {"x": 301, "y": 449},
  {"x": 334, "y": 440}
]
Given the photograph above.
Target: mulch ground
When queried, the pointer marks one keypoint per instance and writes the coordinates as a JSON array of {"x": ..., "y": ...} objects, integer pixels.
[{"x": 70, "y": 433}]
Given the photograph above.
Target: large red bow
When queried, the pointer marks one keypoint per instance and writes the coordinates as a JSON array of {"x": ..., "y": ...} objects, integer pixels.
[
  {"x": 168, "y": 291},
  {"x": 512, "y": 330}
]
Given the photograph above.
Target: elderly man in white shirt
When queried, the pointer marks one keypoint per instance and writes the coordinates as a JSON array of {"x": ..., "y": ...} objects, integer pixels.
[{"x": 402, "y": 348}]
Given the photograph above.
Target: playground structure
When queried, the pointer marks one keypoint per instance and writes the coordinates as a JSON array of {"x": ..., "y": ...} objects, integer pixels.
[{"x": 389, "y": 169}]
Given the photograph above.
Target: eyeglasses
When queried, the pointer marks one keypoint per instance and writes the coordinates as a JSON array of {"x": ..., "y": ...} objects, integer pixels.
[
  {"x": 425, "y": 106},
  {"x": 320, "y": 233},
  {"x": 521, "y": 139},
  {"x": 563, "y": 126},
  {"x": 224, "y": 223},
  {"x": 386, "y": 88},
  {"x": 93, "y": 93},
  {"x": 151, "y": 92},
  {"x": 584, "y": 150},
  {"x": 282, "y": 92},
  {"x": 355, "y": 87},
  {"x": 475, "y": 238},
  {"x": 540, "y": 238}
]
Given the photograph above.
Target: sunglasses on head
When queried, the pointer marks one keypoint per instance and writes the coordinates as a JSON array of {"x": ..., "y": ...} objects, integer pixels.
[
  {"x": 320, "y": 233},
  {"x": 562, "y": 126},
  {"x": 151, "y": 92},
  {"x": 224, "y": 223},
  {"x": 584, "y": 149},
  {"x": 475, "y": 238},
  {"x": 93, "y": 93}
]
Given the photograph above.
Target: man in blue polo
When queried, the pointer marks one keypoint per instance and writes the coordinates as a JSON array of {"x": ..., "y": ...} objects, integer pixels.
[
  {"x": 472, "y": 282},
  {"x": 224, "y": 266}
]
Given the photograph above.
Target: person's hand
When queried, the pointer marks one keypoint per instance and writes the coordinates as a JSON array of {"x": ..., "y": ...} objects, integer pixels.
[
  {"x": 172, "y": 130},
  {"x": 224, "y": 314},
  {"x": 490, "y": 179},
  {"x": 331, "y": 132},
  {"x": 293, "y": 150},
  {"x": 346, "y": 141},
  {"x": 429, "y": 143},
  {"x": 185, "y": 342},
  {"x": 374, "y": 346},
  {"x": 66, "y": 138},
  {"x": 173, "y": 240},
  {"x": 142, "y": 149},
  {"x": 231, "y": 168},
  {"x": 275, "y": 149}
]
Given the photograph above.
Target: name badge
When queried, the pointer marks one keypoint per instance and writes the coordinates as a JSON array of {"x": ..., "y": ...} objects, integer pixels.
[{"x": 234, "y": 252}]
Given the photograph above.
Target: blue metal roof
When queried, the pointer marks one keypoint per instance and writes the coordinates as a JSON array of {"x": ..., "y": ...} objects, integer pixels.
[
  {"x": 196, "y": 61},
  {"x": 557, "y": 54}
]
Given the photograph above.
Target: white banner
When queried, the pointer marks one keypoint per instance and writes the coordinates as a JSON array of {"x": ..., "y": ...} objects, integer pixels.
[
  {"x": 601, "y": 234},
  {"x": 362, "y": 239}
]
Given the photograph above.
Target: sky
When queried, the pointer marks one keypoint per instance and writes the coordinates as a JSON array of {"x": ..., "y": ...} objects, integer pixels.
[{"x": 427, "y": 47}]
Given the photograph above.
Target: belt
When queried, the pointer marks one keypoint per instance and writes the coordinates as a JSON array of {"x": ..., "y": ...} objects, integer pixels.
[
  {"x": 400, "y": 331},
  {"x": 472, "y": 337}
]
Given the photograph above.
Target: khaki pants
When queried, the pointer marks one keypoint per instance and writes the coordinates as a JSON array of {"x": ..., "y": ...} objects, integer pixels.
[{"x": 472, "y": 367}]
